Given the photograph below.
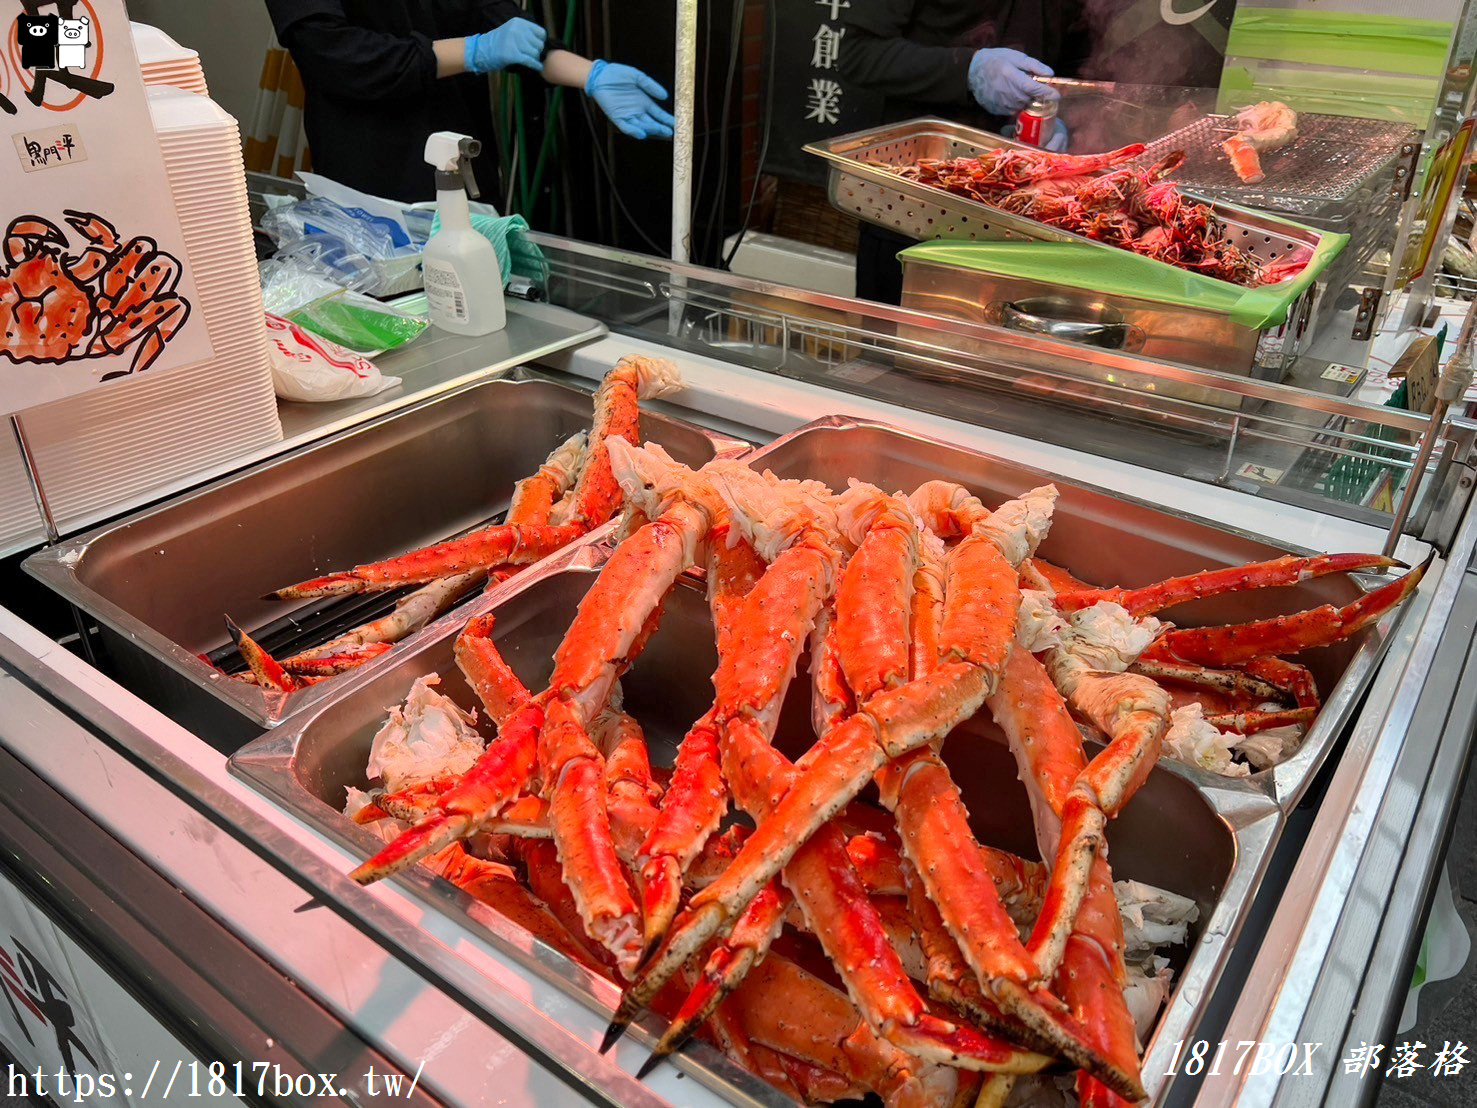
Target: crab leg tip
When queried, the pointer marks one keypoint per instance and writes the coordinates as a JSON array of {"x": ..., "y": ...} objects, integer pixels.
[
  {"x": 613, "y": 1035},
  {"x": 655, "y": 1059}
]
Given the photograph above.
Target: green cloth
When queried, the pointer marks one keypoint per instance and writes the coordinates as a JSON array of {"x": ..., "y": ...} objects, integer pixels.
[
  {"x": 1123, "y": 273},
  {"x": 516, "y": 253}
]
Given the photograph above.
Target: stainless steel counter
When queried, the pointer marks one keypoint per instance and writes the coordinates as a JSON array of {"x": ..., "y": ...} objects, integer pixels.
[{"x": 1328, "y": 936}]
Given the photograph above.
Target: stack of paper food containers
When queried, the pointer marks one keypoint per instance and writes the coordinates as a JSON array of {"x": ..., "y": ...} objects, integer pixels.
[
  {"x": 113, "y": 449},
  {"x": 165, "y": 62}
]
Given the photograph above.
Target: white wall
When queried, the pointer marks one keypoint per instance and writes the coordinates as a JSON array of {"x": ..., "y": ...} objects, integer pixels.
[{"x": 231, "y": 36}]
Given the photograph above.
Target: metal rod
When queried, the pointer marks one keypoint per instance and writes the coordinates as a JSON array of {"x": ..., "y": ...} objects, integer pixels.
[
  {"x": 685, "y": 77},
  {"x": 1417, "y": 471},
  {"x": 28, "y": 459},
  {"x": 1455, "y": 379},
  {"x": 53, "y": 534}
]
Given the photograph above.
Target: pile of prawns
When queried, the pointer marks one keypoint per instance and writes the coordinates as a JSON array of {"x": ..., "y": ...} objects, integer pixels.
[{"x": 911, "y": 610}]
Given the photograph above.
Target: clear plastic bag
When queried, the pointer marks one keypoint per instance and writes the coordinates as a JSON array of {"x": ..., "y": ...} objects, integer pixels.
[{"x": 351, "y": 247}]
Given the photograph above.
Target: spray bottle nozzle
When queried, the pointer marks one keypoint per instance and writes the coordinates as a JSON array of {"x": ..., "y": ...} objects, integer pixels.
[{"x": 451, "y": 153}]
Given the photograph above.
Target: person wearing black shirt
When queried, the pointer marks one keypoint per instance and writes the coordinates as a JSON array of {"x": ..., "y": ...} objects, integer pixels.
[
  {"x": 975, "y": 61},
  {"x": 382, "y": 75}
]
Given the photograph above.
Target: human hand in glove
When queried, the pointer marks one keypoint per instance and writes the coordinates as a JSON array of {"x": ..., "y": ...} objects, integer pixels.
[
  {"x": 1002, "y": 81},
  {"x": 629, "y": 98},
  {"x": 516, "y": 42}
]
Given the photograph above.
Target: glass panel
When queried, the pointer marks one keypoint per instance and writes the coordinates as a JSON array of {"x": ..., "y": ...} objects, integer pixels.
[{"x": 1289, "y": 444}]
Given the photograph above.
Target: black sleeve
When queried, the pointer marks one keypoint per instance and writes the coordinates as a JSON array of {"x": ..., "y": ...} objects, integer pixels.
[
  {"x": 498, "y": 12},
  {"x": 339, "y": 59},
  {"x": 877, "y": 55}
]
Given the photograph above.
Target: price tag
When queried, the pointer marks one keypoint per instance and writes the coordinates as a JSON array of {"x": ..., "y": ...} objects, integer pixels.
[
  {"x": 858, "y": 372},
  {"x": 1267, "y": 475}
]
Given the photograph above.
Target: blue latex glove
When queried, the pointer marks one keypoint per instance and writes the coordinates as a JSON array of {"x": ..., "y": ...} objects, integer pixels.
[
  {"x": 516, "y": 42},
  {"x": 1001, "y": 80},
  {"x": 629, "y": 98}
]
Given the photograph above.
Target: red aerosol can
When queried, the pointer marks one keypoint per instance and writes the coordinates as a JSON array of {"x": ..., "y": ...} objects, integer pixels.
[{"x": 1033, "y": 125}]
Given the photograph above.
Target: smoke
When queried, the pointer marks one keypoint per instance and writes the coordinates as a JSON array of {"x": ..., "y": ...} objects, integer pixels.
[
  {"x": 1134, "y": 42},
  {"x": 1145, "y": 42}
]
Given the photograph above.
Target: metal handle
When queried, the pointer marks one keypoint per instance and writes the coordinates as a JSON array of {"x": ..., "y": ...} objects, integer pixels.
[{"x": 1091, "y": 332}]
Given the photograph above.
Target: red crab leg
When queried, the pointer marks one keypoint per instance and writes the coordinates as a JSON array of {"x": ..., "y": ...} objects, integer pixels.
[
  {"x": 331, "y": 664},
  {"x": 501, "y": 544},
  {"x": 1229, "y": 682},
  {"x": 1248, "y": 723},
  {"x": 1284, "y": 675},
  {"x": 541, "y": 866},
  {"x": 696, "y": 798},
  {"x": 496, "y": 885},
  {"x": 931, "y": 816},
  {"x": 123, "y": 329},
  {"x": 268, "y": 672},
  {"x": 631, "y": 794},
  {"x": 727, "y": 1030},
  {"x": 861, "y": 752},
  {"x": 1213, "y": 582},
  {"x": 1284, "y": 634},
  {"x": 93, "y": 227},
  {"x": 125, "y": 264},
  {"x": 1037, "y": 573},
  {"x": 1048, "y": 749}
]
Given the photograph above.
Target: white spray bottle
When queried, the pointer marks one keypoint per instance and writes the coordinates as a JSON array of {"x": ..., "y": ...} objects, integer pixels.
[{"x": 464, "y": 283}]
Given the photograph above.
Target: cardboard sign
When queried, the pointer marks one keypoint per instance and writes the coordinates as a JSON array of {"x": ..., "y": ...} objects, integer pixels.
[{"x": 95, "y": 283}]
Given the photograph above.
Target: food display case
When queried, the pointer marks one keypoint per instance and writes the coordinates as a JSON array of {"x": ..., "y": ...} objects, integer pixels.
[{"x": 199, "y": 861}]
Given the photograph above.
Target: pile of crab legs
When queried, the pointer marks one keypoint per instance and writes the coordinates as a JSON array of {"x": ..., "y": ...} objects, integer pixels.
[
  {"x": 909, "y": 606},
  {"x": 570, "y": 494}
]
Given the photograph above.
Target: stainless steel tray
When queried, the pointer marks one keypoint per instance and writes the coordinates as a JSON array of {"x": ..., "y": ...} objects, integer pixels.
[
  {"x": 863, "y": 182},
  {"x": 159, "y": 582},
  {"x": 1107, "y": 538},
  {"x": 1220, "y": 838}
]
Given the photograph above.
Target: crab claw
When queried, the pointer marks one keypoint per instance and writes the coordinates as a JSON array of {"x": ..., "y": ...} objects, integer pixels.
[
  {"x": 24, "y": 236},
  {"x": 267, "y": 670}
]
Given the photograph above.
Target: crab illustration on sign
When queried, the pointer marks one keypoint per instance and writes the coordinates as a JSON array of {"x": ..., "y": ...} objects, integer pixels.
[{"x": 59, "y": 306}]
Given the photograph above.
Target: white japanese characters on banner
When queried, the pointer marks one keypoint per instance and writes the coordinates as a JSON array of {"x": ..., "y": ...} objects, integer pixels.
[
  {"x": 95, "y": 284},
  {"x": 812, "y": 102}
]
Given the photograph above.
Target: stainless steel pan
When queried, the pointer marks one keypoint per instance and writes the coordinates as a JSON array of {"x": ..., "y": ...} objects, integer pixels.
[{"x": 160, "y": 581}]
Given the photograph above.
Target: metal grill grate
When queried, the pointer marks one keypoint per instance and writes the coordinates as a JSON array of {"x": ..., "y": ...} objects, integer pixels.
[{"x": 1331, "y": 159}]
